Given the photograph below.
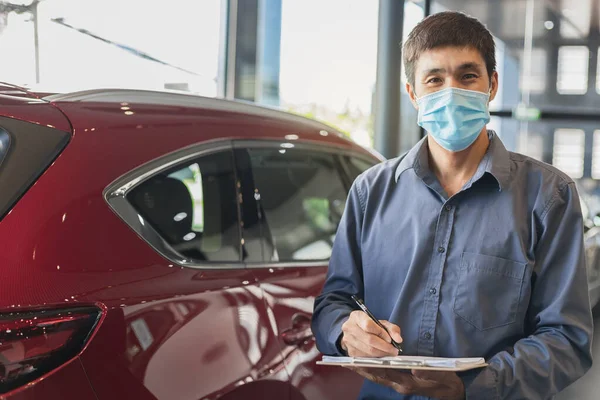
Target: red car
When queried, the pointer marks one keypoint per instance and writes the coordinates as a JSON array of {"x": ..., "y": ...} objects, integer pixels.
[{"x": 165, "y": 246}]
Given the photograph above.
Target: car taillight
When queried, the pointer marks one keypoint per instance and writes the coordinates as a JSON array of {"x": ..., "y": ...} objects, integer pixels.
[{"x": 34, "y": 343}]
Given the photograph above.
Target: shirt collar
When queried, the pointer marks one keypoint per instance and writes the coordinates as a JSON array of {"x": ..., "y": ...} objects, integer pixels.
[
  {"x": 410, "y": 159},
  {"x": 496, "y": 161}
]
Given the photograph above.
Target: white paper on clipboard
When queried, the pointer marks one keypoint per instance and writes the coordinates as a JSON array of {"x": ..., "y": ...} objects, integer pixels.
[{"x": 407, "y": 362}]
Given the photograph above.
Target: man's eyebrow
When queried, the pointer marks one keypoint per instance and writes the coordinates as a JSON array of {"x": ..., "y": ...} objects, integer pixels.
[
  {"x": 434, "y": 71},
  {"x": 473, "y": 66},
  {"x": 469, "y": 66}
]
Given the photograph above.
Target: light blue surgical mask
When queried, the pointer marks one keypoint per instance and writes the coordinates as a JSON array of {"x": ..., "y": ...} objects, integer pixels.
[{"x": 454, "y": 117}]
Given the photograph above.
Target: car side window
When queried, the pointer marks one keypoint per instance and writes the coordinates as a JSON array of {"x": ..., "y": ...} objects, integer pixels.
[
  {"x": 192, "y": 206},
  {"x": 26, "y": 150},
  {"x": 356, "y": 166},
  {"x": 4, "y": 144},
  {"x": 301, "y": 196}
]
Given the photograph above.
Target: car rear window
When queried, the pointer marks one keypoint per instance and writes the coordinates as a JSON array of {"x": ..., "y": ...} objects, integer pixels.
[
  {"x": 193, "y": 207},
  {"x": 26, "y": 150},
  {"x": 4, "y": 143}
]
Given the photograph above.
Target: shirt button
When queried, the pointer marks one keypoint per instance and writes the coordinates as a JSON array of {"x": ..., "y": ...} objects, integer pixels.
[
  {"x": 432, "y": 291},
  {"x": 448, "y": 207},
  {"x": 427, "y": 335},
  {"x": 441, "y": 249}
]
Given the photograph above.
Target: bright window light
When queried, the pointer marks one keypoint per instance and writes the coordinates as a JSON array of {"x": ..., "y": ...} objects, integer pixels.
[
  {"x": 573, "y": 64},
  {"x": 569, "y": 151}
]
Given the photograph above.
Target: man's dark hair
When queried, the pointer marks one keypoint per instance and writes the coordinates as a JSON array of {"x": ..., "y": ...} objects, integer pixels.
[{"x": 449, "y": 28}]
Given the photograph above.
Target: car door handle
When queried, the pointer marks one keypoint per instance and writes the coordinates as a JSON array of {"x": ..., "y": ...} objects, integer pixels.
[{"x": 299, "y": 332}]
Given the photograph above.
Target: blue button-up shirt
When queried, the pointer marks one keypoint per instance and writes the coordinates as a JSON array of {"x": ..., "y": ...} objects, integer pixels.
[{"x": 495, "y": 271}]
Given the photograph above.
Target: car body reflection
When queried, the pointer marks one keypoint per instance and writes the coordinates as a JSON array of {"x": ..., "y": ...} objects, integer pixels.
[
  {"x": 203, "y": 335},
  {"x": 290, "y": 292}
]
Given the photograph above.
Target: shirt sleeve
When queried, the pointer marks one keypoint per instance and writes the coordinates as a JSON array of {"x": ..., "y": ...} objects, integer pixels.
[
  {"x": 558, "y": 350},
  {"x": 344, "y": 277}
]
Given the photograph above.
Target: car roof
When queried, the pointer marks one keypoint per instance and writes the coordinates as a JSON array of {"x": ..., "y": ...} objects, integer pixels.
[
  {"x": 182, "y": 99},
  {"x": 19, "y": 103},
  {"x": 103, "y": 108},
  {"x": 165, "y": 102}
]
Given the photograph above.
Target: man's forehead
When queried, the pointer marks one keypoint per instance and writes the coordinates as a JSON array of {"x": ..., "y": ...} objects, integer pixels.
[{"x": 450, "y": 57}]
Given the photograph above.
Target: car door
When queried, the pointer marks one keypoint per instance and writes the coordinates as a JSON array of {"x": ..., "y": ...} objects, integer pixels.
[
  {"x": 205, "y": 333},
  {"x": 299, "y": 194}
]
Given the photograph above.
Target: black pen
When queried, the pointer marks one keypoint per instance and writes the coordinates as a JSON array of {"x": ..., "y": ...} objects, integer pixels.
[{"x": 366, "y": 310}]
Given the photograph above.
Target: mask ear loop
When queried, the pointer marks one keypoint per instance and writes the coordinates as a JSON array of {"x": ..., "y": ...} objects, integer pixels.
[{"x": 417, "y": 98}]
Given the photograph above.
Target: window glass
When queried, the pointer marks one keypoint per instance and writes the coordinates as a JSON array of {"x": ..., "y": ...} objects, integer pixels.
[
  {"x": 532, "y": 145},
  {"x": 572, "y": 70},
  {"x": 357, "y": 166},
  {"x": 147, "y": 57},
  {"x": 596, "y": 155},
  {"x": 192, "y": 179},
  {"x": 4, "y": 143},
  {"x": 25, "y": 154},
  {"x": 534, "y": 80},
  {"x": 340, "y": 90},
  {"x": 569, "y": 148},
  {"x": 193, "y": 207},
  {"x": 575, "y": 21},
  {"x": 301, "y": 198},
  {"x": 598, "y": 73}
]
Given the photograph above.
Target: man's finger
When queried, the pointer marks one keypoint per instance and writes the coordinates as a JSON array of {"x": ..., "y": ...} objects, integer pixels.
[
  {"x": 364, "y": 334},
  {"x": 353, "y": 351},
  {"x": 436, "y": 376},
  {"x": 393, "y": 329},
  {"x": 378, "y": 343},
  {"x": 366, "y": 345},
  {"x": 363, "y": 321},
  {"x": 366, "y": 324}
]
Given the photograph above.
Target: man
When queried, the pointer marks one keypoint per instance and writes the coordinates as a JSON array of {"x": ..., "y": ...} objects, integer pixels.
[{"x": 460, "y": 248}]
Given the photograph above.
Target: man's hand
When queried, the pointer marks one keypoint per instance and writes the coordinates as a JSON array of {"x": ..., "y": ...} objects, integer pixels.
[
  {"x": 364, "y": 338},
  {"x": 435, "y": 384}
]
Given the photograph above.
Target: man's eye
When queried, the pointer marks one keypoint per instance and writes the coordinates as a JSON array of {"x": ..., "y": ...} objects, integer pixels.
[
  {"x": 433, "y": 80},
  {"x": 469, "y": 76}
]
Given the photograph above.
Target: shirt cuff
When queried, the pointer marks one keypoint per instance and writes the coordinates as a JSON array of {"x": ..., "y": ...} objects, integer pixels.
[
  {"x": 481, "y": 384},
  {"x": 335, "y": 337},
  {"x": 338, "y": 345}
]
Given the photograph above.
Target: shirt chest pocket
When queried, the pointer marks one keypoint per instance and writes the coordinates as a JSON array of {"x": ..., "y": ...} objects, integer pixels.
[{"x": 489, "y": 290}]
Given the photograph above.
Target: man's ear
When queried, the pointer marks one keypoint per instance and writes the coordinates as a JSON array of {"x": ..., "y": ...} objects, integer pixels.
[
  {"x": 413, "y": 97},
  {"x": 494, "y": 85}
]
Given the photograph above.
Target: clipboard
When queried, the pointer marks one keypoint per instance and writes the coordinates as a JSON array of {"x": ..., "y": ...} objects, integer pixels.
[{"x": 407, "y": 362}]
